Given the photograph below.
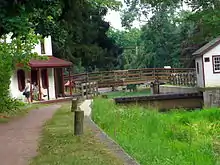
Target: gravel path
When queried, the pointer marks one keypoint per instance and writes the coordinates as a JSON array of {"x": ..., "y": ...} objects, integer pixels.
[{"x": 19, "y": 138}]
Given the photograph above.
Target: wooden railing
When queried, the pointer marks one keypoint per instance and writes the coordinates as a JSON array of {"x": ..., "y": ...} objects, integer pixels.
[{"x": 175, "y": 76}]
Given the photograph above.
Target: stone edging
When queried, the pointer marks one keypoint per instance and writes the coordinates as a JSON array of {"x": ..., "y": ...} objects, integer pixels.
[{"x": 118, "y": 149}]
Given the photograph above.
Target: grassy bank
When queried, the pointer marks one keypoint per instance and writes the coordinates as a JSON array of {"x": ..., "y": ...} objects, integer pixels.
[
  {"x": 153, "y": 138},
  {"x": 19, "y": 111},
  {"x": 58, "y": 146},
  {"x": 140, "y": 92}
]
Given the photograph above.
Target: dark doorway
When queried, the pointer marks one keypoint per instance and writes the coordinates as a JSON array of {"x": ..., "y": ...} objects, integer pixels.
[
  {"x": 34, "y": 76},
  {"x": 59, "y": 84}
]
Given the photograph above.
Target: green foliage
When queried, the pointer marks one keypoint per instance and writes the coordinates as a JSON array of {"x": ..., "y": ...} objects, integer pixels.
[
  {"x": 12, "y": 53},
  {"x": 132, "y": 46},
  {"x": 58, "y": 145},
  {"x": 176, "y": 137}
]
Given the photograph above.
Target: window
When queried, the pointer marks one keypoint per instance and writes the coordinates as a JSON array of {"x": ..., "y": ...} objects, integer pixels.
[
  {"x": 44, "y": 78},
  {"x": 216, "y": 64},
  {"x": 42, "y": 45},
  {"x": 197, "y": 67},
  {"x": 207, "y": 59},
  {"x": 21, "y": 79}
]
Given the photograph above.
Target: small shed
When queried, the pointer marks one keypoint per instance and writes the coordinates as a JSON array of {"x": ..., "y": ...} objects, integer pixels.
[{"x": 207, "y": 62}]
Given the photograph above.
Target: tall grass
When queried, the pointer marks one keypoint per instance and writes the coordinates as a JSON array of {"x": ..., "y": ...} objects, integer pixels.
[
  {"x": 153, "y": 138},
  {"x": 139, "y": 92}
]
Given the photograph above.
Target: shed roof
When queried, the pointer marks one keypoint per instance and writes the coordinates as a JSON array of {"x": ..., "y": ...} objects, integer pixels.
[
  {"x": 51, "y": 62},
  {"x": 207, "y": 47}
]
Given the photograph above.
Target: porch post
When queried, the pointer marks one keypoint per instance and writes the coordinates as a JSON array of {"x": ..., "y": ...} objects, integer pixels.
[
  {"x": 62, "y": 82},
  {"x": 70, "y": 82},
  {"x": 48, "y": 91},
  {"x": 55, "y": 81},
  {"x": 31, "y": 86},
  {"x": 39, "y": 85}
]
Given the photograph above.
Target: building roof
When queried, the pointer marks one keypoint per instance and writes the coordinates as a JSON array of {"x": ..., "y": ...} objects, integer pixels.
[
  {"x": 207, "y": 47},
  {"x": 51, "y": 62}
]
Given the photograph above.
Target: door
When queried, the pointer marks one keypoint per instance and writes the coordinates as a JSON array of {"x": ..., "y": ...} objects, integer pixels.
[{"x": 59, "y": 84}]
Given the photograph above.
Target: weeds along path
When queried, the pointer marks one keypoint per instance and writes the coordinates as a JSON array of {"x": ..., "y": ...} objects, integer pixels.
[
  {"x": 19, "y": 138},
  {"x": 103, "y": 137}
]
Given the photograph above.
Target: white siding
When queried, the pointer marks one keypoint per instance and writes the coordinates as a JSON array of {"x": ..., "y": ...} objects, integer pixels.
[
  {"x": 200, "y": 82},
  {"x": 211, "y": 79},
  {"x": 51, "y": 83},
  {"x": 14, "y": 91},
  {"x": 47, "y": 46}
]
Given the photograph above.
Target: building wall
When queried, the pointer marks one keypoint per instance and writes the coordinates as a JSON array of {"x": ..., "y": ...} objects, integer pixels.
[
  {"x": 164, "y": 89},
  {"x": 51, "y": 83},
  {"x": 211, "y": 79},
  {"x": 199, "y": 74},
  {"x": 16, "y": 93},
  {"x": 14, "y": 90},
  {"x": 47, "y": 46}
]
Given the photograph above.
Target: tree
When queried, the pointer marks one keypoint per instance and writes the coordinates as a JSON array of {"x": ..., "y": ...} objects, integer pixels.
[{"x": 12, "y": 53}]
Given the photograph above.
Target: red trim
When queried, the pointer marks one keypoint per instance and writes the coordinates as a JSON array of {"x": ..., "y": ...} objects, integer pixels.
[
  {"x": 44, "y": 78},
  {"x": 31, "y": 92},
  {"x": 215, "y": 72},
  {"x": 48, "y": 91},
  {"x": 21, "y": 79},
  {"x": 62, "y": 82},
  {"x": 51, "y": 62},
  {"x": 39, "y": 86}
]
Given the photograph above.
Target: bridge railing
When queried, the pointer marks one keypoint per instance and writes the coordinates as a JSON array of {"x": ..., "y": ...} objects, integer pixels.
[{"x": 174, "y": 76}]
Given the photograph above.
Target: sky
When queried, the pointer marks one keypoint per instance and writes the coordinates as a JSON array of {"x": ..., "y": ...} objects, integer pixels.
[{"x": 113, "y": 17}]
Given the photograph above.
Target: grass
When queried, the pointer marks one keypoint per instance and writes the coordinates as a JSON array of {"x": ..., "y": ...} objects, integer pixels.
[
  {"x": 19, "y": 111},
  {"x": 153, "y": 138},
  {"x": 140, "y": 92},
  {"x": 58, "y": 146}
]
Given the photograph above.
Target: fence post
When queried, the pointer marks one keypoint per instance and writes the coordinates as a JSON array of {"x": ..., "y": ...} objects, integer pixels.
[
  {"x": 82, "y": 90},
  {"x": 74, "y": 105},
  {"x": 97, "y": 88},
  {"x": 78, "y": 122},
  {"x": 86, "y": 90}
]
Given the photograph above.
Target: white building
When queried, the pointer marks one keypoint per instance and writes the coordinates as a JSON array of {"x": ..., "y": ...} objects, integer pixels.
[
  {"x": 47, "y": 74},
  {"x": 207, "y": 60}
]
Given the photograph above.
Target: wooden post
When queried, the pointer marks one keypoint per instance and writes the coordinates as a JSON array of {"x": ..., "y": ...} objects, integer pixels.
[
  {"x": 70, "y": 80},
  {"x": 55, "y": 81},
  {"x": 97, "y": 89},
  {"x": 210, "y": 100},
  {"x": 78, "y": 122},
  {"x": 31, "y": 90},
  {"x": 39, "y": 84},
  {"x": 82, "y": 90},
  {"x": 48, "y": 91},
  {"x": 74, "y": 105},
  {"x": 62, "y": 76},
  {"x": 86, "y": 90}
]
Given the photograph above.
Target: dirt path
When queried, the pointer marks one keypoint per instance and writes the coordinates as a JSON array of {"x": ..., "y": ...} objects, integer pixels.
[{"x": 19, "y": 138}]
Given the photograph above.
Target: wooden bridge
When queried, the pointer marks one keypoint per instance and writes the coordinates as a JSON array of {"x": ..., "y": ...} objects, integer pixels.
[{"x": 175, "y": 76}]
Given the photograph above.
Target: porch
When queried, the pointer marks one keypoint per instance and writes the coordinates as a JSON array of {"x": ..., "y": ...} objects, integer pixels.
[{"x": 47, "y": 79}]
